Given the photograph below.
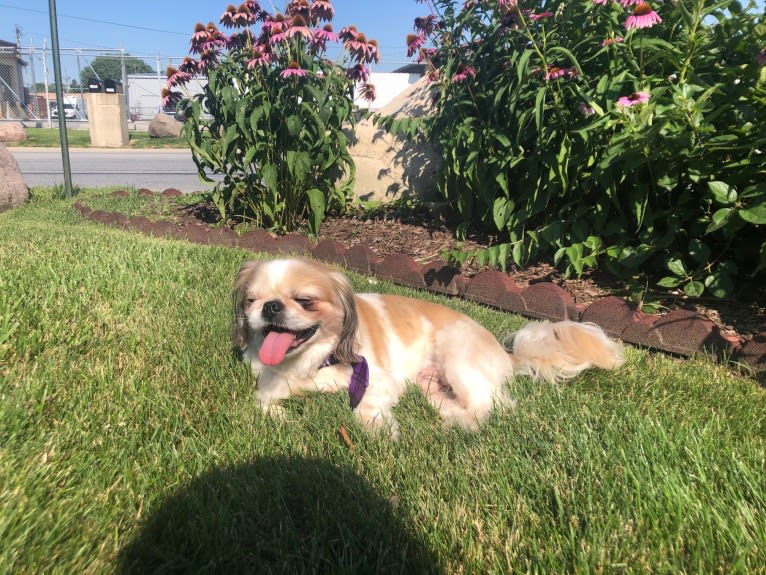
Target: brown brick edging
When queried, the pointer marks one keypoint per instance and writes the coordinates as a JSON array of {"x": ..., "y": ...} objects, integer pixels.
[{"x": 680, "y": 332}]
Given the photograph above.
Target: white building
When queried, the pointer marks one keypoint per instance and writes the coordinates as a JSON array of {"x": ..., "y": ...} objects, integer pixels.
[{"x": 145, "y": 101}]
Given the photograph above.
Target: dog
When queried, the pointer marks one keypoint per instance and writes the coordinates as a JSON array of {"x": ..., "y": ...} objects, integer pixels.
[{"x": 303, "y": 329}]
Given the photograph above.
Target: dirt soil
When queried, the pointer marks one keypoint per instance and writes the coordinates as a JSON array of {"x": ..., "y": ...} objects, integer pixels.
[{"x": 424, "y": 236}]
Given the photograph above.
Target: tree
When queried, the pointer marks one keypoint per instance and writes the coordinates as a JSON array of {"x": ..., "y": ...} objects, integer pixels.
[{"x": 103, "y": 67}]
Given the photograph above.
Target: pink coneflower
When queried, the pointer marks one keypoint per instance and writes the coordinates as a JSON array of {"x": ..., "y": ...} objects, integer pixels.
[
  {"x": 627, "y": 3},
  {"x": 274, "y": 24},
  {"x": 610, "y": 41},
  {"x": 426, "y": 54},
  {"x": 189, "y": 65},
  {"x": 540, "y": 16},
  {"x": 414, "y": 42},
  {"x": 643, "y": 16},
  {"x": 322, "y": 36},
  {"x": 198, "y": 38},
  {"x": 300, "y": 28},
  {"x": 227, "y": 18},
  {"x": 367, "y": 91},
  {"x": 463, "y": 73},
  {"x": 176, "y": 77},
  {"x": 633, "y": 99},
  {"x": 426, "y": 24},
  {"x": 261, "y": 57},
  {"x": 348, "y": 33},
  {"x": 761, "y": 58},
  {"x": 322, "y": 10},
  {"x": 208, "y": 60},
  {"x": 602, "y": 2},
  {"x": 170, "y": 97},
  {"x": 361, "y": 49},
  {"x": 358, "y": 73},
  {"x": 293, "y": 69},
  {"x": 586, "y": 110},
  {"x": 505, "y": 5}
]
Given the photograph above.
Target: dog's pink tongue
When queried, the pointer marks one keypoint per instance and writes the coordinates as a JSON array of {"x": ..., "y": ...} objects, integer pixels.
[{"x": 274, "y": 347}]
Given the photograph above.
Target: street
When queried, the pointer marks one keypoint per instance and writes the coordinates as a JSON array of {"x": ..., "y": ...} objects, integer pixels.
[{"x": 93, "y": 168}]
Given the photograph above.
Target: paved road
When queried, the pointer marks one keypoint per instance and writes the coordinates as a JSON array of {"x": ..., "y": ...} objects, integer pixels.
[{"x": 91, "y": 168}]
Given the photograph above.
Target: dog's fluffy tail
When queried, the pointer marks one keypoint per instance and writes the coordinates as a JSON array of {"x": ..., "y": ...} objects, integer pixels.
[{"x": 558, "y": 351}]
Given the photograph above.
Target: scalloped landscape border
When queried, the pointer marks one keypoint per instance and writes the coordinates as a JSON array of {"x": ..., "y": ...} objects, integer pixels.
[{"x": 681, "y": 332}]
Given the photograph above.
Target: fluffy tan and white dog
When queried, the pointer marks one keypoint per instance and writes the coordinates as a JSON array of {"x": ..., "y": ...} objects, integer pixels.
[{"x": 302, "y": 328}]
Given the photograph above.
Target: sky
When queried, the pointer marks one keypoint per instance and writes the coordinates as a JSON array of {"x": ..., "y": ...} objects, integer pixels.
[{"x": 148, "y": 29}]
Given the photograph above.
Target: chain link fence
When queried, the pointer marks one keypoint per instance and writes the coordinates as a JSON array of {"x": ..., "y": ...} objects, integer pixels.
[{"x": 27, "y": 85}]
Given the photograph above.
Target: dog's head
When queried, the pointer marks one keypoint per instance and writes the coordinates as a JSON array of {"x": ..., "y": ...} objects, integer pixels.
[{"x": 286, "y": 307}]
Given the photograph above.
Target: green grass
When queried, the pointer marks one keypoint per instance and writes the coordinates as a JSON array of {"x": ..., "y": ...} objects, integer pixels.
[
  {"x": 130, "y": 441},
  {"x": 49, "y": 138}
]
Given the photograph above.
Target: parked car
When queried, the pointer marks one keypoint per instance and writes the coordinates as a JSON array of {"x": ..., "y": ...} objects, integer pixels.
[{"x": 70, "y": 111}]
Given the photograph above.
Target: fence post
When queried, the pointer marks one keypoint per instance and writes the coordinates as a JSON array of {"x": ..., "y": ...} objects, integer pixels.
[{"x": 60, "y": 98}]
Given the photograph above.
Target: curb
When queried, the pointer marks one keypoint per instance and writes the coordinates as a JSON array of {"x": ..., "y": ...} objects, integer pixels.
[{"x": 680, "y": 332}]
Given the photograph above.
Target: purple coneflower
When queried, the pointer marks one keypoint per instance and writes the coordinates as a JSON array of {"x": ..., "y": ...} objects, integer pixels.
[
  {"x": 170, "y": 97},
  {"x": 348, "y": 33},
  {"x": 293, "y": 69},
  {"x": 176, "y": 77},
  {"x": 260, "y": 57},
  {"x": 358, "y": 73},
  {"x": 643, "y": 16},
  {"x": 610, "y": 41},
  {"x": 586, "y": 110},
  {"x": 367, "y": 91},
  {"x": 322, "y": 10},
  {"x": 602, "y": 2},
  {"x": 227, "y": 18},
  {"x": 507, "y": 4},
  {"x": 189, "y": 65},
  {"x": 463, "y": 73},
  {"x": 300, "y": 28},
  {"x": 426, "y": 24},
  {"x": 633, "y": 99},
  {"x": 628, "y": 3},
  {"x": 540, "y": 16},
  {"x": 414, "y": 42}
]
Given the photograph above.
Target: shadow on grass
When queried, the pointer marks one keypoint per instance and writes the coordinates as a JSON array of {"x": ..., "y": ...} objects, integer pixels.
[{"x": 277, "y": 515}]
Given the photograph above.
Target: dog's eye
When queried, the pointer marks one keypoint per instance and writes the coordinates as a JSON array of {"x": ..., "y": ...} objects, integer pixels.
[
  {"x": 251, "y": 299},
  {"x": 306, "y": 303}
]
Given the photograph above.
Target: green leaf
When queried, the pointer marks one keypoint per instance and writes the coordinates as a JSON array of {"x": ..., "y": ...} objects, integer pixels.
[
  {"x": 722, "y": 192},
  {"x": 669, "y": 282},
  {"x": 718, "y": 220},
  {"x": 694, "y": 289},
  {"x": 755, "y": 214},
  {"x": 698, "y": 251},
  {"x": 502, "y": 210},
  {"x": 676, "y": 266},
  {"x": 269, "y": 174},
  {"x": 317, "y": 210}
]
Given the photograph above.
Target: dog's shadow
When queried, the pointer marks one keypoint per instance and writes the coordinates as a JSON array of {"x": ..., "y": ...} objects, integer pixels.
[{"x": 277, "y": 515}]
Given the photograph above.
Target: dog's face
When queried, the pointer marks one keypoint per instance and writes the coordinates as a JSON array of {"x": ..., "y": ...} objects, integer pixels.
[{"x": 287, "y": 307}]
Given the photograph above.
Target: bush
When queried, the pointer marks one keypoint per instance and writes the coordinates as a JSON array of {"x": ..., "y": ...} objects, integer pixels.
[
  {"x": 272, "y": 114},
  {"x": 601, "y": 132}
]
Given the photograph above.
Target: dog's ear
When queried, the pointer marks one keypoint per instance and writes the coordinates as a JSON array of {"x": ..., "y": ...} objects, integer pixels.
[
  {"x": 240, "y": 330},
  {"x": 346, "y": 350}
]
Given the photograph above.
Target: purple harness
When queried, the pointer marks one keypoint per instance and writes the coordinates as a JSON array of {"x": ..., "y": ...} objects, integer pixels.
[{"x": 360, "y": 378}]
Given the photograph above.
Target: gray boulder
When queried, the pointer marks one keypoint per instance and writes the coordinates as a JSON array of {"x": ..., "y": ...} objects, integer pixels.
[
  {"x": 389, "y": 167},
  {"x": 12, "y": 132},
  {"x": 164, "y": 126},
  {"x": 13, "y": 189}
]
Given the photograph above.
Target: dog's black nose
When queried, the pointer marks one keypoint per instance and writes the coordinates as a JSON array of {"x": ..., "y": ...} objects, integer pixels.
[{"x": 271, "y": 309}]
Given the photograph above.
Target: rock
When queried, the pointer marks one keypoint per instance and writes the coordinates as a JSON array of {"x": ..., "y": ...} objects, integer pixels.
[
  {"x": 13, "y": 189},
  {"x": 389, "y": 167},
  {"x": 12, "y": 132},
  {"x": 164, "y": 126}
]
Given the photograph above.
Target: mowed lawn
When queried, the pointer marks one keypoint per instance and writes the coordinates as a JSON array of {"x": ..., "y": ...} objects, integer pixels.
[{"x": 130, "y": 441}]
